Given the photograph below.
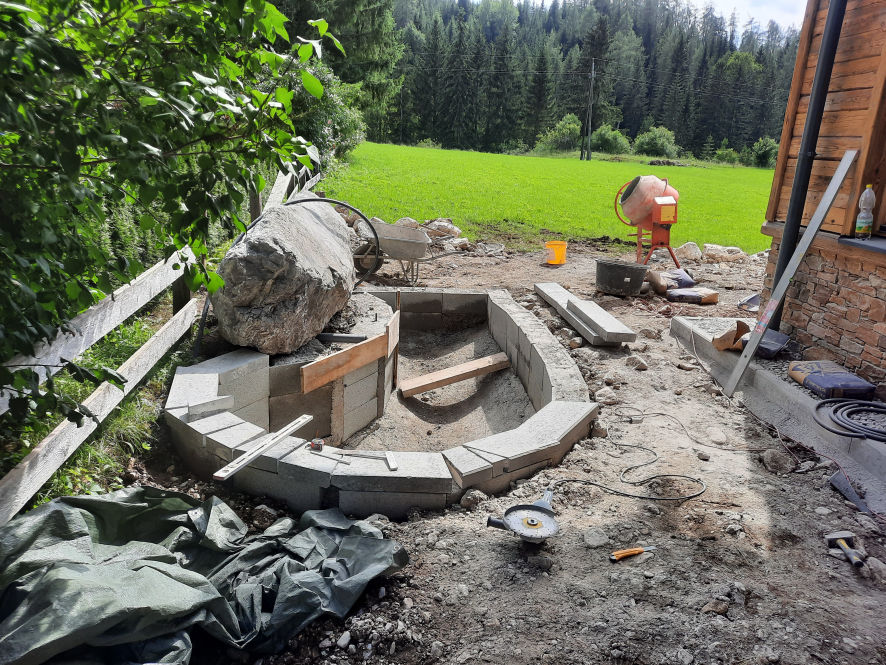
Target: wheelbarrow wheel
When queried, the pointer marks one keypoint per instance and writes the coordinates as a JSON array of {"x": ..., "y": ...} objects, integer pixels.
[{"x": 363, "y": 258}]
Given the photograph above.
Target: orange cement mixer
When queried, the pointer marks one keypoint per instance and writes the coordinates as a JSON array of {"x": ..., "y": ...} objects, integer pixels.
[{"x": 650, "y": 205}]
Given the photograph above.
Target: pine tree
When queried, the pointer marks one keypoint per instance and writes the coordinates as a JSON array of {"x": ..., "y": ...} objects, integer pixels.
[
  {"x": 503, "y": 111},
  {"x": 538, "y": 100},
  {"x": 429, "y": 93},
  {"x": 455, "y": 90}
]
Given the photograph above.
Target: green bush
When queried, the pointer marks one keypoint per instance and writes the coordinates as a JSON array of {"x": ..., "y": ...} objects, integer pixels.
[
  {"x": 764, "y": 152},
  {"x": 427, "y": 143},
  {"x": 514, "y": 147},
  {"x": 564, "y": 136},
  {"x": 746, "y": 157},
  {"x": 609, "y": 140},
  {"x": 657, "y": 142}
]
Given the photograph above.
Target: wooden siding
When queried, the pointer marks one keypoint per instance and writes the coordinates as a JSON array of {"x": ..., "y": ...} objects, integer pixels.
[{"x": 854, "y": 115}]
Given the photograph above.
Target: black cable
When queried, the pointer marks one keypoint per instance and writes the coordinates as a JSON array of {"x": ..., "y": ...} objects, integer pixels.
[
  {"x": 202, "y": 326},
  {"x": 644, "y": 481},
  {"x": 841, "y": 412}
]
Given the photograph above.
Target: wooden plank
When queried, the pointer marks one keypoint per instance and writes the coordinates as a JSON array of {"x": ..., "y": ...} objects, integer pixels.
[
  {"x": 99, "y": 320},
  {"x": 328, "y": 369},
  {"x": 393, "y": 332},
  {"x": 778, "y": 292},
  {"x": 462, "y": 372},
  {"x": 828, "y": 147},
  {"x": 280, "y": 190},
  {"x": 862, "y": 45},
  {"x": 861, "y": 16},
  {"x": 29, "y": 475},
  {"x": 787, "y": 129},
  {"x": 837, "y": 123},
  {"x": 841, "y": 100},
  {"x": 600, "y": 321},
  {"x": 260, "y": 446}
]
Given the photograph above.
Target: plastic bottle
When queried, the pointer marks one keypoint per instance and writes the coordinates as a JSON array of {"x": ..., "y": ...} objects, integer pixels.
[{"x": 865, "y": 220}]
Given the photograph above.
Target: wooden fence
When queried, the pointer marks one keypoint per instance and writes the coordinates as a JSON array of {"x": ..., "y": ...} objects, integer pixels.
[{"x": 26, "y": 478}]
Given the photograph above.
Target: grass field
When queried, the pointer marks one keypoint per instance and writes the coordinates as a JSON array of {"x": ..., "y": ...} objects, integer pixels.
[{"x": 523, "y": 199}]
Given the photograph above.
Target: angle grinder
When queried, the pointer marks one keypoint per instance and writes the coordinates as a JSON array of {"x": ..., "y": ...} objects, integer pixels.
[{"x": 533, "y": 522}]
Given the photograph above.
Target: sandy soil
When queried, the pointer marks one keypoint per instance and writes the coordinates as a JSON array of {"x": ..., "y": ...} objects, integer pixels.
[{"x": 741, "y": 574}]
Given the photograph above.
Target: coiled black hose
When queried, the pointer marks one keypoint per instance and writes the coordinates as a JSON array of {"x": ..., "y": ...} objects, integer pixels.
[
  {"x": 318, "y": 199},
  {"x": 841, "y": 412}
]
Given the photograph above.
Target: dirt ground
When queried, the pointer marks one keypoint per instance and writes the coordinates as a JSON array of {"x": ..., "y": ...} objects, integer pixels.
[{"x": 740, "y": 574}]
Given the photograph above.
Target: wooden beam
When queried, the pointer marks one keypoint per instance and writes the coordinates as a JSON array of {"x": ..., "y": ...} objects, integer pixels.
[
  {"x": 444, "y": 377},
  {"x": 99, "y": 320},
  {"x": 790, "y": 116},
  {"x": 393, "y": 332},
  {"x": 29, "y": 475},
  {"x": 328, "y": 369}
]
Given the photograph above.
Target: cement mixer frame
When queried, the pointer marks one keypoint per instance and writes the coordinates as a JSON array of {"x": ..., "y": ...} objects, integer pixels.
[{"x": 653, "y": 226}]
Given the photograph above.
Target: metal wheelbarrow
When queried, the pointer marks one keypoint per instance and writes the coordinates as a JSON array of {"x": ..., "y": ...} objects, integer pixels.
[{"x": 411, "y": 247}]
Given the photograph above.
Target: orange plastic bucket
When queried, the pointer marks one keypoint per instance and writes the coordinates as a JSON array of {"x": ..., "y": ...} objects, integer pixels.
[{"x": 556, "y": 252}]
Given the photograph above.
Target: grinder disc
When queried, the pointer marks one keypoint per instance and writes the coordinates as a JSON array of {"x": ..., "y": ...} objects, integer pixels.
[{"x": 531, "y": 523}]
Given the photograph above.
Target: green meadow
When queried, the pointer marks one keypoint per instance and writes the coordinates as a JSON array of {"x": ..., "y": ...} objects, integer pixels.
[{"x": 524, "y": 200}]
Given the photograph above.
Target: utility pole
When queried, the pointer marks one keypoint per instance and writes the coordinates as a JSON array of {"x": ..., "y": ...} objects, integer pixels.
[
  {"x": 586, "y": 151},
  {"x": 401, "y": 114}
]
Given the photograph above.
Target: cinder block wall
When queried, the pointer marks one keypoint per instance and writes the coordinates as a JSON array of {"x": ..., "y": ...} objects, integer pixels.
[{"x": 836, "y": 306}]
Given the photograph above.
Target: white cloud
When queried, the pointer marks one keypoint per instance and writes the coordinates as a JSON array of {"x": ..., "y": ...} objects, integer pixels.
[{"x": 783, "y": 12}]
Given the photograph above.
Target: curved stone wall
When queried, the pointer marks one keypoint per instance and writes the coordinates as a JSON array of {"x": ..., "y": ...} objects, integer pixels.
[{"x": 220, "y": 408}]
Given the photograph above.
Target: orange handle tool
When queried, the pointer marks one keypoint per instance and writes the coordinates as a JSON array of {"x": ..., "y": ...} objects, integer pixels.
[{"x": 618, "y": 555}]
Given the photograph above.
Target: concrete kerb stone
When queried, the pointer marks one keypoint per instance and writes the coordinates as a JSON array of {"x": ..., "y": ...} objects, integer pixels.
[
  {"x": 461, "y": 301},
  {"x": 416, "y": 472},
  {"x": 233, "y": 366},
  {"x": 256, "y": 413},
  {"x": 359, "y": 374},
  {"x": 421, "y": 320},
  {"x": 301, "y": 467},
  {"x": 421, "y": 300},
  {"x": 264, "y": 483},
  {"x": 191, "y": 386},
  {"x": 284, "y": 379},
  {"x": 466, "y": 467},
  {"x": 395, "y": 505},
  {"x": 226, "y": 443}
]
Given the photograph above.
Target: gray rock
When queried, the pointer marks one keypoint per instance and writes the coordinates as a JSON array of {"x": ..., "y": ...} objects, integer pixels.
[
  {"x": 703, "y": 456},
  {"x": 472, "y": 499},
  {"x": 877, "y": 568},
  {"x": 637, "y": 363},
  {"x": 596, "y": 537},
  {"x": 821, "y": 510},
  {"x": 805, "y": 467},
  {"x": 540, "y": 561},
  {"x": 717, "y": 436},
  {"x": 436, "y": 649},
  {"x": 344, "y": 640},
  {"x": 777, "y": 461},
  {"x": 868, "y": 523},
  {"x": 575, "y": 342},
  {"x": 719, "y": 254},
  {"x": 606, "y": 396},
  {"x": 286, "y": 279},
  {"x": 688, "y": 252}
]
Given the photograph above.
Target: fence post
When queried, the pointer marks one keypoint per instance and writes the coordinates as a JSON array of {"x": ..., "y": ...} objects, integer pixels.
[{"x": 181, "y": 294}]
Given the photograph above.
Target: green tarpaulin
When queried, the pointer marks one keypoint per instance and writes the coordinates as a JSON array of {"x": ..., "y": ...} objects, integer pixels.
[{"x": 124, "y": 577}]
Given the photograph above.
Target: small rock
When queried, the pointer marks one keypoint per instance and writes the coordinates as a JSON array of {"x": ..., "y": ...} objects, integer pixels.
[
  {"x": 472, "y": 498},
  {"x": 652, "y": 509},
  {"x": 463, "y": 590},
  {"x": 688, "y": 252},
  {"x": 821, "y": 510},
  {"x": 408, "y": 603},
  {"x": 777, "y": 461},
  {"x": 719, "y": 254},
  {"x": 684, "y": 657},
  {"x": 686, "y": 367},
  {"x": 717, "y": 436},
  {"x": 540, "y": 561},
  {"x": 382, "y": 593},
  {"x": 596, "y": 537},
  {"x": 637, "y": 363},
  {"x": 877, "y": 568},
  {"x": 436, "y": 649},
  {"x": 733, "y": 528},
  {"x": 325, "y": 644},
  {"x": 715, "y": 606},
  {"x": 599, "y": 431},
  {"x": 805, "y": 467},
  {"x": 703, "y": 456},
  {"x": 606, "y": 396},
  {"x": 868, "y": 523},
  {"x": 344, "y": 640}
]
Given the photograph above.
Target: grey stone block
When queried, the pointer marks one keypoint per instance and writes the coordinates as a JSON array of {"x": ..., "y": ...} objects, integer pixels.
[
  {"x": 464, "y": 302},
  {"x": 421, "y": 300},
  {"x": 255, "y": 413},
  {"x": 283, "y": 409},
  {"x": 503, "y": 482},
  {"x": 214, "y": 423},
  {"x": 301, "y": 466},
  {"x": 360, "y": 417},
  {"x": 225, "y": 442},
  {"x": 191, "y": 386},
  {"x": 284, "y": 379},
  {"x": 416, "y": 472},
  {"x": 498, "y": 449},
  {"x": 233, "y": 366},
  {"x": 521, "y": 450},
  {"x": 395, "y": 505},
  {"x": 247, "y": 388},
  {"x": 466, "y": 467},
  {"x": 359, "y": 374},
  {"x": 210, "y": 407},
  {"x": 421, "y": 320},
  {"x": 565, "y": 422},
  {"x": 182, "y": 433},
  {"x": 535, "y": 386},
  {"x": 269, "y": 460},
  {"x": 298, "y": 497},
  {"x": 600, "y": 321},
  {"x": 559, "y": 297},
  {"x": 357, "y": 394},
  {"x": 387, "y": 294},
  {"x": 498, "y": 324}
]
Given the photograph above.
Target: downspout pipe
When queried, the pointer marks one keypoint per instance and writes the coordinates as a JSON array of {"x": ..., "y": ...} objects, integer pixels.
[{"x": 800, "y": 187}]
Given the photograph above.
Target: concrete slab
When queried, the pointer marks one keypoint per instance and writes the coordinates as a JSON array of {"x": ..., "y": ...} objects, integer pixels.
[
  {"x": 357, "y": 394},
  {"x": 416, "y": 472},
  {"x": 284, "y": 379},
  {"x": 247, "y": 388},
  {"x": 263, "y": 483},
  {"x": 225, "y": 442},
  {"x": 600, "y": 321},
  {"x": 235, "y": 365},
  {"x": 395, "y": 505},
  {"x": 191, "y": 386},
  {"x": 303, "y": 467},
  {"x": 503, "y": 482},
  {"x": 209, "y": 407},
  {"x": 421, "y": 300},
  {"x": 459, "y": 301},
  {"x": 213, "y": 423},
  {"x": 386, "y": 293},
  {"x": 269, "y": 460},
  {"x": 255, "y": 413},
  {"x": 559, "y": 298},
  {"x": 466, "y": 467},
  {"x": 360, "y": 417}
]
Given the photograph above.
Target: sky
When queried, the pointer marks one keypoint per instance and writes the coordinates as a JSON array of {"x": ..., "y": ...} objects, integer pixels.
[{"x": 784, "y": 12}]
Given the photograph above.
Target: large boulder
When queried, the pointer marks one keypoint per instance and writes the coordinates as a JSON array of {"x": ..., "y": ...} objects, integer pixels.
[{"x": 286, "y": 279}]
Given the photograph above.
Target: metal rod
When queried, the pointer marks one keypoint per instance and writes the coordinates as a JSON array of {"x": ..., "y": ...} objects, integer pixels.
[{"x": 800, "y": 186}]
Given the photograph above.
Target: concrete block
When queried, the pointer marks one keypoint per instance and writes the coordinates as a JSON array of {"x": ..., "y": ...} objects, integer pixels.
[
  {"x": 197, "y": 458},
  {"x": 359, "y": 374},
  {"x": 210, "y": 407},
  {"x": 416, "y": 472},
  {"x": 283, "y": 409},
  {"x": 498, "y": 324},
  {"x": 255, "y": 413},
  {"x": 521, "y": 450},
  {"x": 388, "y": 386},
  {"x": 535, "y": 386},
  {"x": 565, "y": 422},
  {"x": 214, "y": 423},
  {"x": 263, "y": 483},
  {"x": 387, "y": 294},
  {"x": 357, "y": 394},
  {"x": 284, "y": 379},
  {"x": 466, "y": 467},
  {"x": 360, "y": 417},
  {"x": 189, "y": 385},
  {"x": 225, "y": 442},
  {"x": 247, "y": 388},
  {"x": 600, "y": 321},
  {"x": 183, "y": 434},
  {"x": 302, "y": 467},
  {"x": 559, "y": 297},
  {"x": 337, "y": 418},
  {"x": 233, "y": 366},
  {"x": 269, "y": 460},
  {"x": 395, "y": 505},
  {"x": 464, "y": 302},
  {"x": 421, "y": 320},
  {"x": 421, "y": 300},
  {"x": 503, "y": 482},
  {"x": 499, "y": 449}
]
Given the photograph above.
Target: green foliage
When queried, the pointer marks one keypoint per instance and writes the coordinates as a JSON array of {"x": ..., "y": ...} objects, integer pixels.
[
  {"x": 726, "y": 156},
  {"x": 763, "y": 152},
  {"x": 161, "y": 104},
  {"x": 565, "y": 135},
  {"x": 427, "y": 143},
  {"x": 514, "y": 146},
  {"x": 397, "y": 181},
  {"x": 707, "y": 149},
  {"x": 657, "y": 142},
  {"x": 611, "y": 141}
]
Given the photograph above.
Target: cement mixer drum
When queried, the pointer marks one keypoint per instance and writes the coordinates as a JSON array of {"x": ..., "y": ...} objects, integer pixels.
[{"x": 638, "y": 198}]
